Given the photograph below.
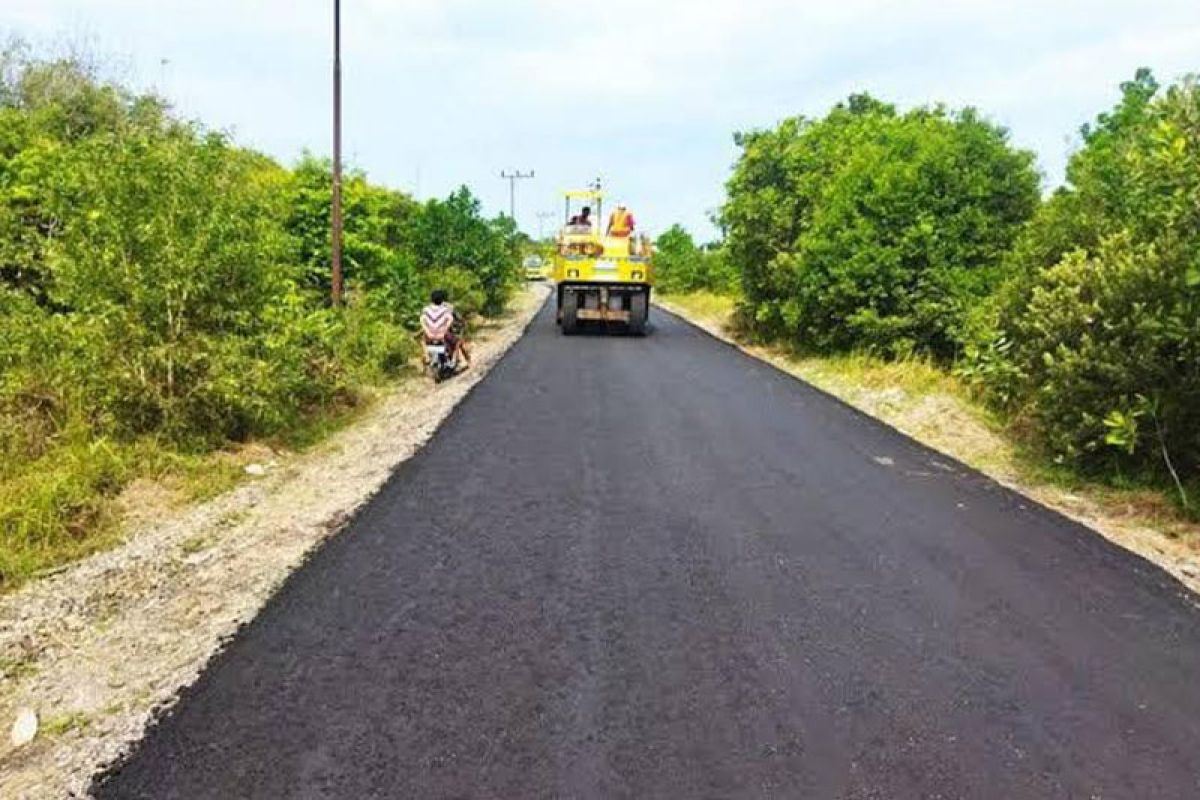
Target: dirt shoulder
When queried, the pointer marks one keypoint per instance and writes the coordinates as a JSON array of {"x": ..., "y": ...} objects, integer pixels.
[
  {"x": 933, "y": 415},
  {"x": 94, "y": 650}
]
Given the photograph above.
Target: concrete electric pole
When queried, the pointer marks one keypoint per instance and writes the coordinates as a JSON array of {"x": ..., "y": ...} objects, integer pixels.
[
  {"x": 336, "y": 233},
  {"x": 512, "y": 178}
]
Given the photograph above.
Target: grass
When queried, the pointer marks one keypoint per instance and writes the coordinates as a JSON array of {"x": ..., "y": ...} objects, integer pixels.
[
  {"x": 65, "y": 723},
  {"x": 65, "y": 504},
  {"x": 54, "y": 508},
  {"x": 16, "y": 667},
  {"x": 707, "y": 306},
  {"x": 936, "y": 408},
  {"x": 196, "y": 544}
]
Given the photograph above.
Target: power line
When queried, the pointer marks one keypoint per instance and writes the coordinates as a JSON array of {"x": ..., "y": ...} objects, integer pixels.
[{"x": 512, "y": 178}]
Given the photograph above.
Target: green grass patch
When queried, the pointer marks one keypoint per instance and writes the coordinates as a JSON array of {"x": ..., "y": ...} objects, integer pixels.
[
  {"x": 56, "y": 508},
  {"x": 912, "y": 375},
  {"x": 316, "y": 428},
  {"x": 61, "y": 506},
  {"x": 17, "y": 667},
  {"x": 65, "y": 723},
  {"x": 196, "y": 544},
  {"x": 708, "y": 307}
]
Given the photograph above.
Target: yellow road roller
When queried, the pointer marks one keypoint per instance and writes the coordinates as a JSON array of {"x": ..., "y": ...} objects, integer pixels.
[{"x": 602, "y": 281}]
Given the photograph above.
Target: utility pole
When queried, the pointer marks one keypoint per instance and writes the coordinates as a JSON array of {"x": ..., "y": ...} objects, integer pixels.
[
  {"x": 512, "y": 178},
  {"x": 336, "y": 235}
]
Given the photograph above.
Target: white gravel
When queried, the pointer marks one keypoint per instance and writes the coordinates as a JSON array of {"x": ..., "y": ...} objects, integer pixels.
[{"x": 93, "y": 650}]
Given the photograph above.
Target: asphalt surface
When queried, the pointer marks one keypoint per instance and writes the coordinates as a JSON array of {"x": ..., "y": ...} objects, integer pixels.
[{"x": 643, "y": 568}]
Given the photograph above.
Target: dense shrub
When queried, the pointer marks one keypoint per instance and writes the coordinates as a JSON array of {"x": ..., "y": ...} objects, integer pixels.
[
  {"x": 681, "y": 266},
  {"x": 462, "y": 286},
  {"x": 375, "y": 253},
  {"x": 1095, "y": 342},
  {"x": 171, "y": 254},
  {"x": 452, "y": 233},
  {"x": 873, "y": 229}
]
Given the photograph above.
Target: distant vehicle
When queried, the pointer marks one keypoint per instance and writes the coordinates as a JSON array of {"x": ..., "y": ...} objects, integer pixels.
[
  {"x": 535, "y": 268},
  {"x": 601, "y": 279}
]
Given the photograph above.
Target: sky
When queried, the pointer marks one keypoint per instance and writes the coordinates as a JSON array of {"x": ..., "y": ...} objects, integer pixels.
[{"x": 644, "y": 94}]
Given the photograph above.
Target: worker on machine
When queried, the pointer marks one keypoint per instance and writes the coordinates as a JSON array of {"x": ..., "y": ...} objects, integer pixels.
[
  {"x": 582, "y": 219},
  {"x": 621, "y": 223}
]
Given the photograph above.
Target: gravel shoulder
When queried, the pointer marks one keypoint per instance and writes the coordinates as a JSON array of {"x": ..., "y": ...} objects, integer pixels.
[
  {"x": 98, "y": 648},
  {"x": 944, "y": 423}
]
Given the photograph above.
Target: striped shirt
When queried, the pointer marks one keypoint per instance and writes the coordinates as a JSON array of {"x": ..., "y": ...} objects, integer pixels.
[{"x": 436, "y": 321}]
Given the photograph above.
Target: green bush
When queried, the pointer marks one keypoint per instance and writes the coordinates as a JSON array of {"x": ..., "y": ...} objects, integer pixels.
[
  {"x": 172, "y": 257},
  {"x": 375, "y": 346},
  {"x": 452, "y": 233},
  {"x": 1095, "y": 342},
  {"x": 462, "y": 288},
  {"x": 376, "y": 257},
  {"x": 55, "y": 507},
  {"x": 875, "y": 230},
  {"x": 397, "y": 251},
  {"x": 681, "y": 266}
]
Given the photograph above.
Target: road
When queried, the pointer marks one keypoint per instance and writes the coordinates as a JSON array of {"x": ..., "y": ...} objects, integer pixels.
[{"x": 656, "y": 568}]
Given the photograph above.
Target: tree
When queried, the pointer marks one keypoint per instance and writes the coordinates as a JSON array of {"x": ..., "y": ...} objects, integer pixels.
[
  {"x": 675, "y": 260},
  {"x": 1095, "y": 342},
  {"x": 873, "y": 229},
  {"x": 452, "y": 233},
  {"x": 374, "y": 248},
  {"x": 682, "y": 266}
]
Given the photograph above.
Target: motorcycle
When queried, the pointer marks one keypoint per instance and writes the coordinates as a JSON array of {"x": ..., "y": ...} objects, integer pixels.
[{"x": 442, "y": 362}]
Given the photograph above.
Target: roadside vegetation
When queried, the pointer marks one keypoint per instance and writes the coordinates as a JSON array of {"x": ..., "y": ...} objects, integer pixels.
[
  {"x": 164, "y": 295},
  {"x": 911, "y": 251}
]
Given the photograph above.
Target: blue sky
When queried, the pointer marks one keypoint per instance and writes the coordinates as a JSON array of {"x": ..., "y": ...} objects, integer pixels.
[{"x": 645, "y": 94}]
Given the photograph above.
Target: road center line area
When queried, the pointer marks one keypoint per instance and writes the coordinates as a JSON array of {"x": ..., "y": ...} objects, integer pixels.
[{"x": 654, "y": 567}]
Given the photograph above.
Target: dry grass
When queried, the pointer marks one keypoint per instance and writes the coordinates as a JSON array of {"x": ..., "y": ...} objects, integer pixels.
[{"x": 935, "y": 408}]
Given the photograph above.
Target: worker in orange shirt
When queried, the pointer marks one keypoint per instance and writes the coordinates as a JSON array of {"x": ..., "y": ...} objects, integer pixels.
[{"x": 620, "y": 222}]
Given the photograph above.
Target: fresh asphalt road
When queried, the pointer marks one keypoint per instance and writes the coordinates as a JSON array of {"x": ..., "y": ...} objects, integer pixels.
[{"x": 644, "y": 568}]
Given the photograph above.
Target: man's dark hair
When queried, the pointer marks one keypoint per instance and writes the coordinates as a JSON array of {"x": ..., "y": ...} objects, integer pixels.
[
  {"x": 438, "y": 296},
  {"x": 586, "y": 210}
]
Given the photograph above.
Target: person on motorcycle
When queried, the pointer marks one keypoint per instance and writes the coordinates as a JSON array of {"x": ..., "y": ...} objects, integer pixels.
[{"x": 441, "y": 324}]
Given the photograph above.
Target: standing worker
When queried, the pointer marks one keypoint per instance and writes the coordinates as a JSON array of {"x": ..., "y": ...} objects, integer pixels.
[{"x": 620, "y": 223}]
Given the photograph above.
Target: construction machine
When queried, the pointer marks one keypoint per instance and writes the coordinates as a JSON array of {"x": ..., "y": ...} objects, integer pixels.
[{"x": 602, "y": 281}]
